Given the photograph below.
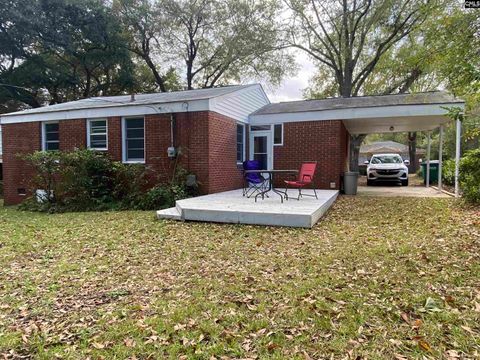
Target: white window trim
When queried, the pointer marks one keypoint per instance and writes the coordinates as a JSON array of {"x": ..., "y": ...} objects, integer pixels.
[
  {"x": 124, "y": 142},
  {"x": 88, "y": 134},
  {"x": 44, "y": 135},
  {"x": 273, "y": 135},
  {"x": 243, "y": 143}
]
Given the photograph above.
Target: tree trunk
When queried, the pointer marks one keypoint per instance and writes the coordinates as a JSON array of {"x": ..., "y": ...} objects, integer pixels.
[
  {"x": 412, "y": 152},
  {"x": 355, "y": 143},
  {"x": 158, "y": 78}
]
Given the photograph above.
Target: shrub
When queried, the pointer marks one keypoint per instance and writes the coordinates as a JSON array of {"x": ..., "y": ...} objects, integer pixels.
[
  {"x": 130, "y": 183},
  {"x": 84, "y": 180},
  {"x": 165, "y": 195},
  {"x": 470, "y": 176},
  {"x": 448, "y": 172}
]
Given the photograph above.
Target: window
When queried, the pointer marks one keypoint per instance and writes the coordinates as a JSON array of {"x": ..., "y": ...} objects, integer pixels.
[
  {"x": 97, "y": 134},
  {"x": 50, "y": 136},
  {"x": 134, "y": 140},
  {"x": 278, "y": 134},
  {"x": 240, "y": 143},
  {"x": 260, "y": 127}
]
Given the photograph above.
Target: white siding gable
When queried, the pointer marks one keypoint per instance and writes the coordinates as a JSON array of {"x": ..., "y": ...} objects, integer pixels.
[{"x": 240, "y": 104}]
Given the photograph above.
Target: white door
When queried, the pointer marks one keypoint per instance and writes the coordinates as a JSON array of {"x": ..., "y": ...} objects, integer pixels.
[{"x": 261, "y": 148}]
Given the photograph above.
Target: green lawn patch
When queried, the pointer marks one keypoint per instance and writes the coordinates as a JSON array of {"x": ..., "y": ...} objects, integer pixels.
[{"x": 377, "y": 278}]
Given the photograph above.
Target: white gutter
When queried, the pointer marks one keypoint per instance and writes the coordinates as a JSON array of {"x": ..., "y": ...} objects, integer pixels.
[{"x": 121, "y": 110}]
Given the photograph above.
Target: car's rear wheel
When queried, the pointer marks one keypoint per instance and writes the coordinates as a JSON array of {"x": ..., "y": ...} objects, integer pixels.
[
  {"x": 405, "y": 182},
  {"x": 369, "y": 182}
]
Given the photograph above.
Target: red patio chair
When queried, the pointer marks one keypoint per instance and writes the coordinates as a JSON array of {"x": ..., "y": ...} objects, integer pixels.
[{"x": 305, "y": 178}]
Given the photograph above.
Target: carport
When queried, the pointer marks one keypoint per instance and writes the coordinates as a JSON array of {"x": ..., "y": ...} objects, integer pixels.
[
  {"x": 424, "y": 112},
  {"x": 408, "y": 113}
]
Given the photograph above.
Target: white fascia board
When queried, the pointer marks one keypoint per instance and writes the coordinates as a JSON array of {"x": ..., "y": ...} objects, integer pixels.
[
  {"x": 110, "y": 111},
  {"x": 355, "y": 113}
]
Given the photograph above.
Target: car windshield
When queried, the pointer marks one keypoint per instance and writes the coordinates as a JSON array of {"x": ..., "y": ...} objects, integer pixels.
[{"x": 390, "y": 159}]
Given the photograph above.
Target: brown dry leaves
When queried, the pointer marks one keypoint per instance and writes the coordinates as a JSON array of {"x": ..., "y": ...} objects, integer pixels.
[{"x": 376, "y": 278}]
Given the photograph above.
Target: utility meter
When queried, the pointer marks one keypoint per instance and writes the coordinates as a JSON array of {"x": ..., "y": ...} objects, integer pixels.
[{"x": 171, "y": 152}]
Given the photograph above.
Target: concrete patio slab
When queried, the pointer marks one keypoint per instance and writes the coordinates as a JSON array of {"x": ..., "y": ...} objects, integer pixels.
[
  {"x": 401, "y": 191},
  {"x": 232, "y": 207}
]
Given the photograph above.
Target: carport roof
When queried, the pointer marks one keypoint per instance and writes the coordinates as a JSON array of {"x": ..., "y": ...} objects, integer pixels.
[
  {"x": 367, "y": 114},
  {"x": 426, "y": 98}
]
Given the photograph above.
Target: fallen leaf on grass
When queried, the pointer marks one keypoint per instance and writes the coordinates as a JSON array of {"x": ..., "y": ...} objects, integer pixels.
[
  {"x": 452, "y": 355},
  {"x": 467, "y": 329},
  {"x": 430, "y": 306},
  {"x": 417, "y": 324},
  {"x": 423, "y": 344},
  {"x": 129, "y": 342}
]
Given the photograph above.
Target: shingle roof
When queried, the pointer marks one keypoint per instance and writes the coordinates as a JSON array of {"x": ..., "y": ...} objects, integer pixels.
[
  {"x": 433, "y": 97},
  {"x": 140, "y": 99}
]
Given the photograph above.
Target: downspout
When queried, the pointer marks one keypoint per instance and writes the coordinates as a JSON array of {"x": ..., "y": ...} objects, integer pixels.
[{"x": 172, "y": 124}]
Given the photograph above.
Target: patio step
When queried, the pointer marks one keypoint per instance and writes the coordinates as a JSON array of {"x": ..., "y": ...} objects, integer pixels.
[{"x": 170, "y": 213}]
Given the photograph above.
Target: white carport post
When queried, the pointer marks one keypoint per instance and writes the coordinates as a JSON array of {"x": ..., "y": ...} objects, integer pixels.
[
  {"x": 429, "y": 145},
  {"x": 457, "y": 155},
  {"x": 440, "y": 158}
]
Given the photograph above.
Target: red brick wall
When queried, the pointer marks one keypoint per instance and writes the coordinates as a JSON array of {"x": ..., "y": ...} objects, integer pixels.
[
  {"x": 224, "y": 174},
  {"x": 18, "y": 139},
  {"x": 192, "y": 140},
  {"x": 114, "y": 129},
  {"x": 321, "y": 141},
  {"x": 206, "y": 140},
  {"x": 72, "y": 134}
]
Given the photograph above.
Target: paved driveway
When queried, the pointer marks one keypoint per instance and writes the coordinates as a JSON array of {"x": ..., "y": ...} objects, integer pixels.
[{"x": 403, "y": 191}]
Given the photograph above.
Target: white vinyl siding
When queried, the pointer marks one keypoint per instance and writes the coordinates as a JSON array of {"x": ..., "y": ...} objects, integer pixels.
[
  {"x": 97, "y": 134},
  {"x": 50, "y": 136},
  {"x": 133, "y": 136},
  {"x": 240, "y": 104}
]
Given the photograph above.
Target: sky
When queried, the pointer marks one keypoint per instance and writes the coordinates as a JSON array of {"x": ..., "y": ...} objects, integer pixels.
[{"x": 292, "y": 87}]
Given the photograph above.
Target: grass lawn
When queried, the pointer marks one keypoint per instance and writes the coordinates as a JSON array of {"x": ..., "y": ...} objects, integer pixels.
[{"x": 377, "y": 278}]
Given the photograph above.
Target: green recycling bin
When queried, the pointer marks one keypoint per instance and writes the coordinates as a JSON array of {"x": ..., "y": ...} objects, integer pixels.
[{"x": 433, "y": 171}]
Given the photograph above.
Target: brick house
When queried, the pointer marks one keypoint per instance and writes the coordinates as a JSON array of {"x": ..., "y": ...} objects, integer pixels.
[{"x": 211, "y": 131}]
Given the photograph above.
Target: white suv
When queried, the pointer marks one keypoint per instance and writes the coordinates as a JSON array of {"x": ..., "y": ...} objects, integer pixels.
[{"x": 387, "y": 167}]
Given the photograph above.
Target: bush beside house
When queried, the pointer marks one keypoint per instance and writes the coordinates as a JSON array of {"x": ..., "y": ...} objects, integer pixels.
[
  {"x": 86, "y": 180},
  {"x": 469, "y": 180},
  {"x": 470, "y": 176}
]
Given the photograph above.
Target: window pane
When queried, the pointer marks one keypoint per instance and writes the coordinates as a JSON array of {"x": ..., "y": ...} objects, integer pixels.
[
  {"x": 49, "y": 136},
  {"x": 259, "y": 127},
  {"x": 260, "y": 144},
  {"x": 98, "y": 141},
  {"x": 240, "y": 142},
  {"x": 98, "y": 130},
  {"x": 98, "y": 134},
  {"x": 277, "y": 134},
  {"x": 134, "y": 123},
  {"x": 98, "y": 123},
  {"x": 51, "y": 127},
  {"x": 135, "y": 133},
  {"x": 263, "y": 159},
  {"x": 135, "y": 154},
  {"x": 134, "y": 139},
  {"x": 52, "y": 146},
  {"x": 135, "y": 144}
]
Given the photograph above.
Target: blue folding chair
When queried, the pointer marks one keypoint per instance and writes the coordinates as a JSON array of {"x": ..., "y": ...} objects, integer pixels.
[{"x": 253, "y": 183}]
